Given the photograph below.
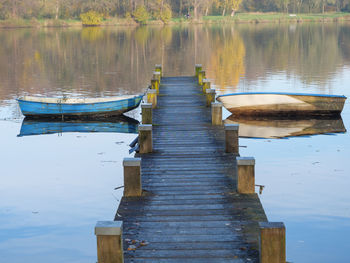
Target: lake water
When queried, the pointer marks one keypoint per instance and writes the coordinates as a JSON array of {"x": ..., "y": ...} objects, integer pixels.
[{"x": 54, "y": 187}]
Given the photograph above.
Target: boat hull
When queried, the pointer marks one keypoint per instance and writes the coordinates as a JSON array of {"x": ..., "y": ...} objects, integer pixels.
[
  {"x": 41, "y": 109},
  {"x": 270, "y": 104},
  {"x": 273, "y": 128},
  {"x": 120, "y": 124}
]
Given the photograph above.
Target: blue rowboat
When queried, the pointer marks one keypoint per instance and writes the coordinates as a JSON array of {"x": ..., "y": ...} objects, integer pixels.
[
  {"x": 121, "y": 124},
  {"x": 91, "y": 107},
  {"x": 282, "y": 104}
]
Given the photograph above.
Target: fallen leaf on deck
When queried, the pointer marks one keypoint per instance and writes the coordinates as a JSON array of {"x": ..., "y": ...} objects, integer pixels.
[
  {"x": 132, "y": 247},
  {"x": 144, "y": 243}
]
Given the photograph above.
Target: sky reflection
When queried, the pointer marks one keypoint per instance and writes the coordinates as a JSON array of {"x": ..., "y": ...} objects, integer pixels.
[{"x": 54, "y": 189}]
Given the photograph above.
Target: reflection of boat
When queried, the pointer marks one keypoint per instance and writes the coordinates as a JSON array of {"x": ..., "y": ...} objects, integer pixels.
[
  {"x": 279, "y": 128},
  {"x": 289, "y": 104},
  {"x": 121, "y": 124},
  {"x": 47, "y": 107}
]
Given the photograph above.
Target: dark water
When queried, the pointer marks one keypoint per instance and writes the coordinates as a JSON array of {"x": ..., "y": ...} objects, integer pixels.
[{"x": 54, "y": 187}]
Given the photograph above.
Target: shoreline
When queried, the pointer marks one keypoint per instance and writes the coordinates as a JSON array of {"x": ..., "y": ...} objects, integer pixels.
[{"x": 239, "y": 18}]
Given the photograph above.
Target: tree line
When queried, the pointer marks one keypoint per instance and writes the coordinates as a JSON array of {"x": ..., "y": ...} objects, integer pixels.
[{"x": 72, "y": 9}]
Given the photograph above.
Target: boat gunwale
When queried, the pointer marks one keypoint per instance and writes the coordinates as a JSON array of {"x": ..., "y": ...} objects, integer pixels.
[
  {"x": 283, "y": 93},
  {"x": 86, "y": 103}
]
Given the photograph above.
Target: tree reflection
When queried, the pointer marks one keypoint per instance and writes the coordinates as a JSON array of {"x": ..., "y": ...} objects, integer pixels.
[
  {"x": 91, "y": 33},
  {"x": 118, "y": 60},
  {"x": 309, "y": 51},
  {"x": 227, "y": 63}
]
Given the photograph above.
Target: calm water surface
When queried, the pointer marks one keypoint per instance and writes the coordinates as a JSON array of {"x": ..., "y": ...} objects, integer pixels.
[{"x": 54, "y": 187}]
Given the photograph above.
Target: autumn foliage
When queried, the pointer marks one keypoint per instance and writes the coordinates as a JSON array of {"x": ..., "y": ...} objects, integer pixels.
[
  {"x": 141, "y": 15},
  {"x": 158, "y": 9},
  {"x": 91, "y": 18}
]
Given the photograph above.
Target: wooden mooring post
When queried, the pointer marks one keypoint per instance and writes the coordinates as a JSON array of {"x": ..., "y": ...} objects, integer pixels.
[
  {"x": 152, "y": 97},
  {"x": 158, "y": 68},
  {"x": 198, "y": 67},
  {"x": 206, "y": 85},
  {"x": 201, "y": 76},
  {"x": 272, "y": 242},
  {"x": 145, "y": 138},
  {"x": 156, "y": 75},
  {"x": 146, "y": 112},
  {"x": 109, "y": 241},
  {"x": 155, "y": 85},
  {"x": 210, "y": 96},
  {"x": 231, "y": 138},
  {"x": 132, "y": 177},
  {"x": 245, "y": 175},
  {"x": 216, "y": 113}
]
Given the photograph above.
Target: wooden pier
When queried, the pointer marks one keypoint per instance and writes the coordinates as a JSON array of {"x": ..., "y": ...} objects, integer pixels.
[{"x": 190, "y": 208}]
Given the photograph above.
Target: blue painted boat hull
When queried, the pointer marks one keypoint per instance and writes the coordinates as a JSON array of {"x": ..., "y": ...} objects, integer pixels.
[
  {"x": 109, "y": 108},
  {"x": 122, "y": 124}
]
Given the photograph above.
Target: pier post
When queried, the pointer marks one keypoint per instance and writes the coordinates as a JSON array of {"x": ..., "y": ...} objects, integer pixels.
[
  {"x": 245, "y": 175},
  {"x": 156, "y": 75},
  {"x": 201, "y": 76},
  {"x": 132, "y": 177},
  {"x": 155, "y": 85},
  {"x": 210, "y": 96},
  {"x": 152, "y": 97},
  {"x": 206, "y": 85},
  {"x": 198, "y": 67},
  {"x": 216, "y": 113},
  {"x": 145, "y": 138},
  {"x": 231, "y": 138},
  {"x": 158, "y": 68},
  {"x": 109, "y": 241},
  {"x": 272, "y": 242},
  {"x": 146, "y": 112}
]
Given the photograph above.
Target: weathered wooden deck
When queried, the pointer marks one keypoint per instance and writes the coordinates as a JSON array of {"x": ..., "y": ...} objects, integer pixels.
[{"x": 189, "y": 211}]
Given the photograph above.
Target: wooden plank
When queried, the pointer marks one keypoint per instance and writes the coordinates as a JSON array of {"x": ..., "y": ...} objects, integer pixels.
[
  {"x": 189, "y": 260},
  {"x": 186, "y": 253}
]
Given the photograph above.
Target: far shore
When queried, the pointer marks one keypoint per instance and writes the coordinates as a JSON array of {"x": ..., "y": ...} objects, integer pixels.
[{"x": 238, "y": 18}]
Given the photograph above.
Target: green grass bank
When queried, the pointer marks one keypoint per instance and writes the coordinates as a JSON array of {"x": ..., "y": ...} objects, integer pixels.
[
  {"x": 277, "y": 18},
  {"x": 238, "y": 18}
]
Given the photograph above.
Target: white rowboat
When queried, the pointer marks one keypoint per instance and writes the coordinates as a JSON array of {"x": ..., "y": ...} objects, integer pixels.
[{"x": 285, "y": 104}]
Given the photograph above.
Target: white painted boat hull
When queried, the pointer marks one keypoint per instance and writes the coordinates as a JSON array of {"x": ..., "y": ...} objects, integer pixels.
[
  {"x": 281, "y": 128},
  {"x": 267, "y": 104}
]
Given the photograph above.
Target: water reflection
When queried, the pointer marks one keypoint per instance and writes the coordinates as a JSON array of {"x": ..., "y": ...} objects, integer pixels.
[
  {"x": 309, "y": 53},
  {"x": 121, "y": 124},
  {"x": 227, "y": 64},
  {"x": 306, "y": 180},
  {"x": 282, "y": 128},
  {"x": 119, "y": 60}
]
